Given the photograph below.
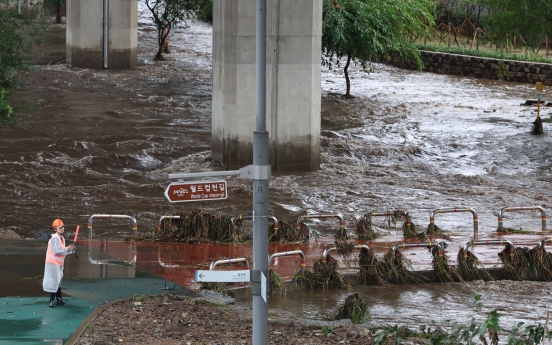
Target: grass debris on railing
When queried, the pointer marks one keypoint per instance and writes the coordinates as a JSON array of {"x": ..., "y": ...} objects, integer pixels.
[
  {"x": 199, "y": 226},
  {"x": 370, "y": 268},
  {"x": 397, "y": 268},
  {"x": 541, "y": 262},
  {"x": 469, "y": 267},
  {"x": 444, "y": 271},
  {"x": 277, "y": 284},
  {"x": 526, "y": 262},
  {"x": 437, "y": 232},
  {"x": 324, "y": 275},
  {"x": 411, "y": 230},
  {"x": 288, "y": 233},
  {"x": 363, "y": 228},
  {"x": 516, "y": 263}
]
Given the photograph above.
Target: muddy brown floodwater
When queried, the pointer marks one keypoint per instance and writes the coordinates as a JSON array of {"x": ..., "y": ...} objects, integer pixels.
[{"x": 104, "y": 141}]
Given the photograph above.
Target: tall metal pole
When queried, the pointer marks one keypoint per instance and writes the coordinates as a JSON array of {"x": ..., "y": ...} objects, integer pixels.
[
  {"x": 261, "y": 167},
  {"x": 105, "y": 33}
]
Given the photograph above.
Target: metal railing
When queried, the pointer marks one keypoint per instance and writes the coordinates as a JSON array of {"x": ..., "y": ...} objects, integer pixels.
[
  {"x": 521, "y": 208},
  {"x": 112, "y": 216},
  {"x": 293, "y": 252},
  {"x": 160, "y": 224},
  {"x": 439, "y": 245},
  {"x": 320, "y": 216},
  {"x": 488, "y": 243},
  {"x": 228, "y": 261},
  {"x": 163, "y": 263},
  {"x": 327, "y": 250},
  {"x": 272, "y": 218},
  {"x": 112, "y": 261},
  {"x": 453, "y": 210}
]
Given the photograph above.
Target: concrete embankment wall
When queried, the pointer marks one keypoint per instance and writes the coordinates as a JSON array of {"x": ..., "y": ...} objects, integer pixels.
[{"x": 479, "y": 67}]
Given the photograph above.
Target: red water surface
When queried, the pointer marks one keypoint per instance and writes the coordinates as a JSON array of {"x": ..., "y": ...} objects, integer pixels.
[{"x": 178, "y": 262}]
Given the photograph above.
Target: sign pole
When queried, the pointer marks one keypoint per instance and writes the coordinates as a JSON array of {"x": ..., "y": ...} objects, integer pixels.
[{"x": 259, "y": 274}]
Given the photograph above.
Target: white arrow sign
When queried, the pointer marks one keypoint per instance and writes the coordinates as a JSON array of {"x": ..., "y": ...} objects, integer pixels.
[{"x": 242, "y": 276}]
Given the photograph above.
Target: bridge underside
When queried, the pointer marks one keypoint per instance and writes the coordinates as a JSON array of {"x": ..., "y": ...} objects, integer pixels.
[{"x": 294, "y": 30}]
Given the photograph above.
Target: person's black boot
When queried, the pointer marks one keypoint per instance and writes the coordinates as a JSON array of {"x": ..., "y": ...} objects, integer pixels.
[
  {"x": 52, "y": 300},
  {"x": 59, "y": 299}
]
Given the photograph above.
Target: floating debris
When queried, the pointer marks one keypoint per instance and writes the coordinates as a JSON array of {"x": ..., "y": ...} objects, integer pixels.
[
  {"x": 395, "y": 216},
  {"x": 355, "y": 309},
  {"x": 516, "y": 231},
  {"x": 217, "y": 287}
]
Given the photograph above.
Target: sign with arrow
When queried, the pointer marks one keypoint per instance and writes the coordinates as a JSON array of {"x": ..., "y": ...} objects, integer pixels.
[{"x": 208, "y": 276}]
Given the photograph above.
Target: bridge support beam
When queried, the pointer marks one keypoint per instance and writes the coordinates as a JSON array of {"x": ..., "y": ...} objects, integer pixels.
[
  {"x": 85, "y": 34},
  {"x": 294, "y": 31}
]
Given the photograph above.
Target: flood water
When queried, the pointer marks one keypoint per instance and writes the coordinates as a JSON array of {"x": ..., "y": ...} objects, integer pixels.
[
  {"x": 430, "y": 304},
  {"x": 104, "y": 141}
]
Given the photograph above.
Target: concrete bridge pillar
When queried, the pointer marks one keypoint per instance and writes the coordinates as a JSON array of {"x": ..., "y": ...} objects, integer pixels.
[
  {"x": 85, "y": 33},
  {"x": 294, "y": 38}
]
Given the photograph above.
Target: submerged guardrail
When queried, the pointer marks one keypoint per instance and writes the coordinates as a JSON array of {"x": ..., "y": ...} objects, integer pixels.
[
  {"x": 228, "y": 261},
  {"x": 453, "y": 210},
  {"x": 327, "y": 250},
  {"x": 488, "y": 243},
  {"x": 292, "y": 252},
  {"x": 441, "y": 246},
  {"x": 321, "y": 216},
  {"x": 521, "y": 208},
  {"x": 272, "y": 218},
  {"x": 162, "y": 219},
  {"x": 111, "y": 216},
  {"x": 112, "y": 261}
]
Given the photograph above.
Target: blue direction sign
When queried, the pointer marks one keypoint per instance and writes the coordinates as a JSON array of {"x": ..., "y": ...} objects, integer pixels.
[{"x": 208, "y": 276}]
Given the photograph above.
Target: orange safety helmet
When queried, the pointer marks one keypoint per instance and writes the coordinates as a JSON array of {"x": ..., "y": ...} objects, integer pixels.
[{"x": 56, "y": 223}]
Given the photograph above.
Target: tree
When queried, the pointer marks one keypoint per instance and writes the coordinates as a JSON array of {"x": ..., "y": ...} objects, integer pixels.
[
  {"x": 18, "y": 33},
  {"x": 363, "y": 30},
  {"x": 168, "y": 15},
  {"x": 51, "y": 6}
]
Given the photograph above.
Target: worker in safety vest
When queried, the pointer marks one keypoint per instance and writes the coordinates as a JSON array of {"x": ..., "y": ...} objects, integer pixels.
[{"x": 53, "y": 269}]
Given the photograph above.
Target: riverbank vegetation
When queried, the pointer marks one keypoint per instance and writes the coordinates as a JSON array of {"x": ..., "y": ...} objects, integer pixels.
[{"x": 18, "y": 33}]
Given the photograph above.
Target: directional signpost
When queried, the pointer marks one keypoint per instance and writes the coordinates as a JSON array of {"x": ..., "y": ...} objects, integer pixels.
[
  {"x": 240, "y": 276},
  {"x": 260, "y": 173},
  {"x": 196, "y": 191}
]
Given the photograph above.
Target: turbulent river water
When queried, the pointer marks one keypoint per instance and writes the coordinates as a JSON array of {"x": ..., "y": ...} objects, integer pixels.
[{"x": 104, "y": 141}]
